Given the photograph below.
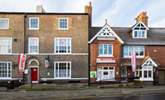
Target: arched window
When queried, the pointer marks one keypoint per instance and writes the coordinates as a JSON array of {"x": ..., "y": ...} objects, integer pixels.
[{"x": 33, "y": 62}]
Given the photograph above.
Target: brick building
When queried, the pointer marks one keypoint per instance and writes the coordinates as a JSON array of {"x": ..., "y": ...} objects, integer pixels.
[
  {"x": 59, "y": 46},
  {"x": 111, "y": 51},
  {"x": 55, "y": 45}
]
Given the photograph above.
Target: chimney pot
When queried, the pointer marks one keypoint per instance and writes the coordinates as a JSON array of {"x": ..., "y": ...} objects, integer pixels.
[{"x": 40, "y": 9}]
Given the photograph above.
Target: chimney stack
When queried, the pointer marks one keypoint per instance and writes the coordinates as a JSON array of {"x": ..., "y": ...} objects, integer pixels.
[
  {"x": 142, "y": 17},
  {"x": 88, "y": 9},
  {"x": 40, "y": 9}
]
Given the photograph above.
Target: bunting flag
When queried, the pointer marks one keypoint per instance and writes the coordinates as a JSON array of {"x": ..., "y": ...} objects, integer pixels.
[
  {"x": 133, "y": 61},
  {"x": 21, "y": 62}
]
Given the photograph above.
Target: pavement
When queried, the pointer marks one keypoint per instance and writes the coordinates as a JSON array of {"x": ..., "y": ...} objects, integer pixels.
[{"x": 86, "y": 93}]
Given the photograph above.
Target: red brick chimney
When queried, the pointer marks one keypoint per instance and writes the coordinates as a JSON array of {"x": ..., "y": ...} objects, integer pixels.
[{"x": 142, "y": 17}]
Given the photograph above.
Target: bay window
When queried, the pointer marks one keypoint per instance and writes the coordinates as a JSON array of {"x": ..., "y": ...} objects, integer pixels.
[{"x": 145, "y": 73}]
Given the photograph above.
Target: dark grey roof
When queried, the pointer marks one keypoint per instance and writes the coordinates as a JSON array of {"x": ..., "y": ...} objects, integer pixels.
[{"x": 155, "y": 36}]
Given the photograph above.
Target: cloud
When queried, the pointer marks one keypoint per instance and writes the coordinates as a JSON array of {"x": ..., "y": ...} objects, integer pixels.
[{"x": 118, "y": 12}]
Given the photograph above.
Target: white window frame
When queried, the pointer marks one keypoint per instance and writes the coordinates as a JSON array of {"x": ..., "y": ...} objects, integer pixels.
[
  {"x": 30, "y": 45},
  {"x": 58, "y": 62},
  {"x": 4, "y": 78},
  {"x": 145, "y": 33},
  {"x": 56, "y": 38},
  {"x": 7, "y": 23},
  {"x": 101, "y": 70},
  {"x": 10, "y": 38},
  {"x": 59, "y": 24},
  {"x": 142, "y": 78},
  {"x": 105, "y": 55},
  {"x": 32, "y": 28},
  {"x": 134, "y": 47}
]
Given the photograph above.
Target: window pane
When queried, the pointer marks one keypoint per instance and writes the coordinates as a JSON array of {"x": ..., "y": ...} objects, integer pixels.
[
  {"x": 63, "y": 45},
  {"x": 105, "y": 49},
  {"x": 34, "y": 22},
  {"x": 5, "y": 45},
  {"x": 5, "y": 70},
  {"x": 145, "y": 74},
  {"x": 100, "y": 49},
  {"x": 62, "y": 70},
  {"x": 4, "y": 24},
  {"x": 139, "y": 33},
  {"x": 139, "y": 50},
  {"x": 149, "y": 74},
  {"x": 63, "y": 23},
  {"x": 110, "y": 49},
  {"x": 135, "y": 34},
  {"x": 105, "y": 73},
  {"x": 33, "y": 45}
]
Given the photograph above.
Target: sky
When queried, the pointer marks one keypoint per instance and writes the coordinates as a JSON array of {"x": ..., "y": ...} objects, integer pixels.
[{"x": 118, "y": 12}]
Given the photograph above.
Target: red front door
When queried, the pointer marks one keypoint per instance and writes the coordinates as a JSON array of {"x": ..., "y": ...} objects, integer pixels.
[{"x": 34, "y": 75}]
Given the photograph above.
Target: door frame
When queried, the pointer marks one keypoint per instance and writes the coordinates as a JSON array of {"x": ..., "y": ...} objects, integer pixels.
[
  {"x": 37, "y": 74},
  {"x": 30, "y": 66}
]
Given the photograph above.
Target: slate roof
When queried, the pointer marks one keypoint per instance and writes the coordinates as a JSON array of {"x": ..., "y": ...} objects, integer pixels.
[{"x": 155, "y": 36}]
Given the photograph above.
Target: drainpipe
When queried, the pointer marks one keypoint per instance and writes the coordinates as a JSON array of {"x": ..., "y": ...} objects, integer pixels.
[
  {"x": 89, "y": 64},
  {"x": 24, "y": 50},
  {"x": 89, "y": 26}
]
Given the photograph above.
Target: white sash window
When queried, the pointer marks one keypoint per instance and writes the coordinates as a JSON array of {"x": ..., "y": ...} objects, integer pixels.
[
  {"x": 33, "y": 46},
  {"x": 5, "y": 70},
  {"x": 62, "y": 45},
  {"x": 62, "y": 70},
  {"x": 5, "y": 45}
]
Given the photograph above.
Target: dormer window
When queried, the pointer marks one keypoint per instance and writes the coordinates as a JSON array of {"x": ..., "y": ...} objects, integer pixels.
[{"x": 139, "y": 31}]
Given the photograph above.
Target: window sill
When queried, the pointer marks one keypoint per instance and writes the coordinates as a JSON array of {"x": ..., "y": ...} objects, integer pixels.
[
  {"x": 32, "y": 53},
  {"x": 139, "y": 37},
  {"x": 63, "y": 29},
  {"x": 62, "y": 53},
  {"x": 136, "y": 57},
  {"x": 4, "y": 28},
  {"x": 105, "y": 56},
  {"x": 33, "y": 28},
  {"x": 62, "y": 78},
  {"x": 5, "y": 78},
  {"x": 5, "y": 53},
  {"x": 145, "y": 79}
]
